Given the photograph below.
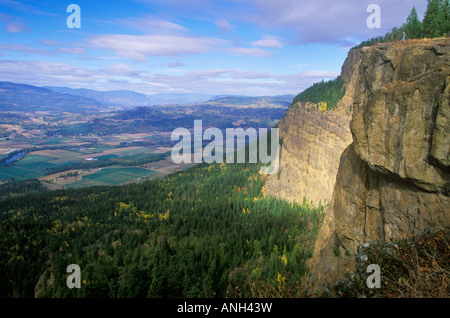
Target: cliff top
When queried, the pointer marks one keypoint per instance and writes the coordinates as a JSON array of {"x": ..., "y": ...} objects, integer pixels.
[{"x": 411, "y": 42}]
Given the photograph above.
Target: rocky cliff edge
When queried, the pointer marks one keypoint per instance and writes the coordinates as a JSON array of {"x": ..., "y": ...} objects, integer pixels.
[{"x": 393, "y": 180}]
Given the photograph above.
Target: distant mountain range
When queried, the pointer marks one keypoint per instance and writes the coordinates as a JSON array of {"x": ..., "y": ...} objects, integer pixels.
[
  {"x": 130, "y": 99},
  {"x": 29, "y": 98}
]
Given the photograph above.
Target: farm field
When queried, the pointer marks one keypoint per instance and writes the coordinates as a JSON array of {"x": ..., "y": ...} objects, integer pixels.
[
  {"x": 114, "y": 175},
  {"x": 37, "y": 164},
  {"x": 118, "y": 152},
  {"x": 18, "y": 173}
]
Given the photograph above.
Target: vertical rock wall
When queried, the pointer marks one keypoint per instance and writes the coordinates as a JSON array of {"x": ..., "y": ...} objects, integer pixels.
[
  {"x": 312, "y": 143},
  {"x": 393, "y": 181}
]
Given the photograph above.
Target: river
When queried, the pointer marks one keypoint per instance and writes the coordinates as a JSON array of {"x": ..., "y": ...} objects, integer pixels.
[{"x": 15, "y": 157}]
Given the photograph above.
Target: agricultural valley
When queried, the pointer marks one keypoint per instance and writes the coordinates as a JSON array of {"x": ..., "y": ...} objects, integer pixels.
[{"x": 113, "y": 145}]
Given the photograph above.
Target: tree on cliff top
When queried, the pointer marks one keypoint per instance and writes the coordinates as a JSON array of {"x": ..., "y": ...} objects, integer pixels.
[
  {"x": 436, "y": 19},
  {"x": 413, "y": 26},
  {"x": 326, "y": 94},
  {"x": 435, "y": 24},
  {"x": 446, "y": 16}
]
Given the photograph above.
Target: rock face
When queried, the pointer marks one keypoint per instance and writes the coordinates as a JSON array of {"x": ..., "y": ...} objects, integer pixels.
[
  {"x": 311, "y": 143},
  {"x": 393, "y": 181}
]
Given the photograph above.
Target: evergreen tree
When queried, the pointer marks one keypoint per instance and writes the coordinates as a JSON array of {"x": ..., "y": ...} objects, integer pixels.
[
  {"x": 446, "y": 17},
  {"x": 434, "y": 19},
  {"x": 413, "y": 26},
  {"x": 328, "y": 93}
]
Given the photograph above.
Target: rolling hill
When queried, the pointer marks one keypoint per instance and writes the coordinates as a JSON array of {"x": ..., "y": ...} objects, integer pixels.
[
  {"x": 129, "y": 99},
  {"x": 28, "y": 98}
]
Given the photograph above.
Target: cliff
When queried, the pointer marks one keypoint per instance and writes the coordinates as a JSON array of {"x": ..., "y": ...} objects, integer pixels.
[
  {"x": 381, "y": 158},
  {"x": 393, "y": 180},
  {"x": 311, "y": 143}
]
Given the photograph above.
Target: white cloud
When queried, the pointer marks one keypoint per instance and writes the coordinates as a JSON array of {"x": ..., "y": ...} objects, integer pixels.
[
  {"x": 224, "y": 26},
  {"x": 24, "y": 49},
  {"x": 46, "y": 73},
  {"x": 33, "y": 50},
  {"x": 138, "y": 47},
  {"x": 151, "y": 24},
  {"x": 254, "y": 52},
  {"x": 268, "y": 41},
  {"x": 16, "y": 27},
  {"x": 73, "y": 50},
  {"x": 50, "y": 42},
  {"x": 207, "y": 74},
  {"x": 121, "y": 69},
  {"x": 13, "y": 24},
  {"x": 174, "y": 64}
]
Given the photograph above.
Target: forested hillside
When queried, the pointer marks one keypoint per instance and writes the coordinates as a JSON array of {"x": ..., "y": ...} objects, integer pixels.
[
  {"x": 325, "y": 94},
  {"x": 205, "y": 232}
]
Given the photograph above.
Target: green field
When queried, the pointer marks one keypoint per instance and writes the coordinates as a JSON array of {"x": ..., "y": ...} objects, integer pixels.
[
  {"x": 35, "y": 165},
  {"x": 95, "y": 150},
  {"x": 111, "y": 176},
  {"x": 52, "y": 141},
  {"x": 130, "y": 152},
  {"x": 106, "y": 157},
  {"x": 30, "y": 159},
  {"x": 19, "y": 173},
  {"x": 29, "y": 167}
]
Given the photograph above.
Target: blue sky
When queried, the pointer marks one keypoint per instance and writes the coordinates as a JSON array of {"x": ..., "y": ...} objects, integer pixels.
[{"x": 243, "y": 47}]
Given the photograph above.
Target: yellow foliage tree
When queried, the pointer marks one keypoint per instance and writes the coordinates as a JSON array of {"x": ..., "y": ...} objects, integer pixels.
[
  {"x": 164, "y": 216},
  {"x": 323, "y": 106},
  {"x": 284, "y": 259}
]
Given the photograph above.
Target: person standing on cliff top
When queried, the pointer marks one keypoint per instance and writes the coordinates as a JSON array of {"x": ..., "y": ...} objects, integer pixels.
[{"x": 404, "y": 36}]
